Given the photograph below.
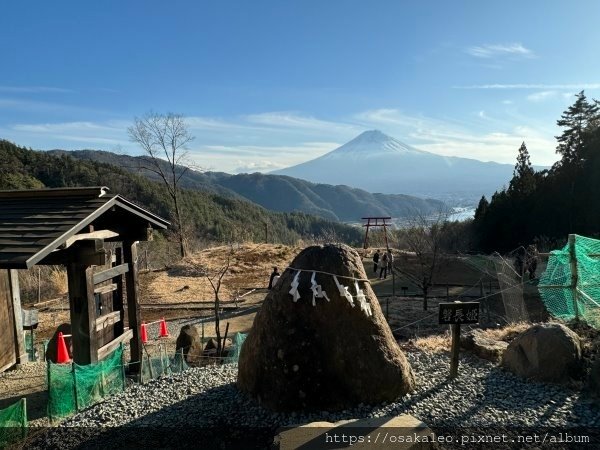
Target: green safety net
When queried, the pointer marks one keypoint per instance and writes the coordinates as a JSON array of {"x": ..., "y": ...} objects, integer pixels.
[
  {"x": 234, "y": 352},
  {"x": 72, "y": 387},
  {"x": 562, "y": 298},
  {"x": 154, "y": 366},
  {"x": 13, "y": 423}
]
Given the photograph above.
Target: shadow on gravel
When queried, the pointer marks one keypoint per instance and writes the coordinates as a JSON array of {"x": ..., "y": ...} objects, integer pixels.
[{"x": 206, "y": 420}]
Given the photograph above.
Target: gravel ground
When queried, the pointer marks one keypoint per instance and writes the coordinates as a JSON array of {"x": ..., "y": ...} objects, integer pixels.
[
  {"x": 482, "y": 395},
  {"x": 29, "y": 380}
]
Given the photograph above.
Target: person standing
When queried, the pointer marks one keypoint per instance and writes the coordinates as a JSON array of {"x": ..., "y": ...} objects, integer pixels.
[
  {"x": 384, "y": 266},
  {"x": 375, "y": 261},
  {"x": 274, "y": 277},
  {"x": 390, "y": 261}
]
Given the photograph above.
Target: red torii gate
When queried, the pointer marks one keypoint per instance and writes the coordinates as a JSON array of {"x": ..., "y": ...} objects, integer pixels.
[{"x": 376, "y": 223}]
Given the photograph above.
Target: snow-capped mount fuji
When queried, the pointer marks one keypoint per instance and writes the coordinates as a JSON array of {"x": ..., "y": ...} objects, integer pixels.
[
  {"x": 377, "y": 162},
  {"x": 370, "y": 144}
]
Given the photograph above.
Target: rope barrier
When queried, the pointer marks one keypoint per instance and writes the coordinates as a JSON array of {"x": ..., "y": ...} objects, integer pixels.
[
  {"x": 329, "y": 273},
  {"x": 416, "y": 321}
]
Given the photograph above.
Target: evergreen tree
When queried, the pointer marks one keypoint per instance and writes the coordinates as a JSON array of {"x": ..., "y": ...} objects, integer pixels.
[
  {"x": 523, "y": 181},
  {"x": 482, "y": 208},
  {"x": 576, "y": 120}
]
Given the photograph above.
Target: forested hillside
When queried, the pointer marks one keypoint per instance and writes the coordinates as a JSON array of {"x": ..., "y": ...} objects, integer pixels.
[
  {"x": 208, "y": 215},
  {"x": 283, "y": 193},
  {"x": 549, "y": 205}
]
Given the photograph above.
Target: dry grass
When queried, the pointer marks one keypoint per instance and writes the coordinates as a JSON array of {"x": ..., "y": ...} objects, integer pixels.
[
  {"x": 433, "y": 344},
  {"x": 50, "y": 280},
  {"x": 507, "y": 333},
  {"x": 441, "y": 342},
  {"x": 250, "y": 267},
  {"x": 58, "y": 279}
]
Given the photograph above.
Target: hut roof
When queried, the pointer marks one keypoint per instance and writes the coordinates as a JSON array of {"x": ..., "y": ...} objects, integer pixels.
[{"x": 34, "y": 223}]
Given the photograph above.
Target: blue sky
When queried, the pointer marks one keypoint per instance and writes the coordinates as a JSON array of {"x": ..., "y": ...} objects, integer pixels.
[{"x": 266, "y": 84}]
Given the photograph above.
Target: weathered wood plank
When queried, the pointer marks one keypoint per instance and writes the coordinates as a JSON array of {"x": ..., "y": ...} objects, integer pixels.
[
  {"x": 113, "y": 272},
  {"x": 101, "y": 234},
  {"x": 118, "y": 294},
  {"x": 107, "y": 320},
  {"x": 7, "y": 338},
  {"x": 104, "y": 351},
  {"x": 83, "y": 313},
  {"x": 91, "y": 192},
  {"x": 21, "y": 355},
  {"x": 134, "y": 318},
  {"x": 105, "y": 289},
  {"x": 16, "y": 243}
]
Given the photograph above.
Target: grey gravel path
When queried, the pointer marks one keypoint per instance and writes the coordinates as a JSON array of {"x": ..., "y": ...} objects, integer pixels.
[{"x": 483, "y": 395}]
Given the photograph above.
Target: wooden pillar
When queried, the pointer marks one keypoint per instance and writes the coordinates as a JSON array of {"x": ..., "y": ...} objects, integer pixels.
[
  {"x": 454, "y": 350},
  {"x": 83, "y": 313},
  {"x": 387, "y": 247},
  {"x": 15, "y": 295},
  {"x": 118, "y": 296},
  {"x": 130, "y": 256}
]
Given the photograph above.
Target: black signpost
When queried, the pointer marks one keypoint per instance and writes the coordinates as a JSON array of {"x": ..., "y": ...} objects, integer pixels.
[{"x": 455, "y": 314}]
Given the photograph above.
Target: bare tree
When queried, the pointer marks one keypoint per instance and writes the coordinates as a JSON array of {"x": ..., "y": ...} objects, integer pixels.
[
  {"x": 215, "y": 279},
  {"x": 422, "y": 237},
  {"x": 164, "y": 138}
]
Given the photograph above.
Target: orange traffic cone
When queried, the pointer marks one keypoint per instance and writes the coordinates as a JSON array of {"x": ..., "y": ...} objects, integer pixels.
[
  {"x": 163, "y": 328},
  {"x": 144, "y": 333},
  {"x": 62, "y": 355}
]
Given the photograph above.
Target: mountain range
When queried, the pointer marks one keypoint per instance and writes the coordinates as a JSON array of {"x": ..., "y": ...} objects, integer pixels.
[
  {"x": 209, "y": 217},
  {"x": 376, "y": 162},
  {"x": 281, "y": 193}
]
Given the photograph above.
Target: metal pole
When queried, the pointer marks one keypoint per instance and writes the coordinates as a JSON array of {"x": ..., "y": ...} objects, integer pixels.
[
  {"x": 574, "y": 274},
  {"x": 123, "y": 367},
  {"x": 75, "y": 386}
]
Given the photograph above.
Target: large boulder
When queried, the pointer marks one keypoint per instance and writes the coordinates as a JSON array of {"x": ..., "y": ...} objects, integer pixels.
[
  {"x": 482, "y": 346},
  {"x": 329, "y": 355},
  {"x": 189, "y": 341},
  {"x": 545, "y": 352}
]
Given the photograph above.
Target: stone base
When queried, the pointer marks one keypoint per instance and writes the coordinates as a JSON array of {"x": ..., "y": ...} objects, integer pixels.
[
  {"x": 482, "y": 346},
  {"x": 397, "y": 432}
]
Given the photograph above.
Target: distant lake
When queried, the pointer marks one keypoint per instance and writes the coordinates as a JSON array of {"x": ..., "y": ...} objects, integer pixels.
[{"x": 461, "y": 213}]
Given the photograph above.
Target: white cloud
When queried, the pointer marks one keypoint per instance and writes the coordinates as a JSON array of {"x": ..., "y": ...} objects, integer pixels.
[
  {"x": 541, "y": 96},
  {"x": 257, "y": 166},
  {"x": 270, "y": 140},
  {"x": 35, "y": 90},
  {"x": 295, "y": 120},
  {"x": 498, "y": 141},
  {"x": 242, "y": 158},
  {"x": 581, "y": 86},
  {"x": 499, "y": 50},
  {"x": 14, "y": 104},
  {"x": 70, "y": 126},
  {"x": 507, "y": 102}
]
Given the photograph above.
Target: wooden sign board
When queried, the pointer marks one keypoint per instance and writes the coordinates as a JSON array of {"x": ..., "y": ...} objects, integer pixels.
[{"x": 459, "y": 312}]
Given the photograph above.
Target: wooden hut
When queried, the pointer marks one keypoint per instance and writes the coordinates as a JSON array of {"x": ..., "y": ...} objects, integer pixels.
[{"x": 70, "y": 227}]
